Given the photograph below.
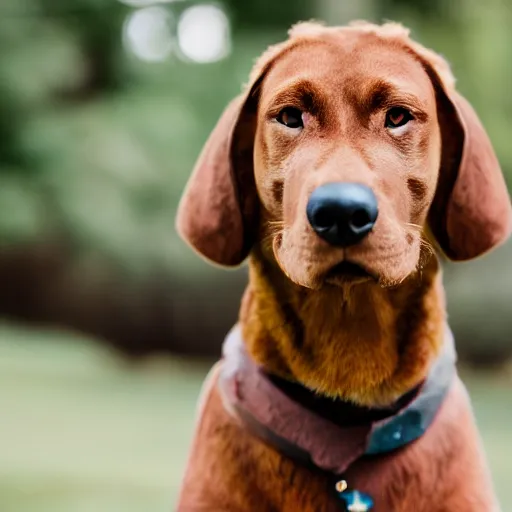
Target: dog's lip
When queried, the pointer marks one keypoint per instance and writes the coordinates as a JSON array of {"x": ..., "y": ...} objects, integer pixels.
[{"x": 348, "y": 271}]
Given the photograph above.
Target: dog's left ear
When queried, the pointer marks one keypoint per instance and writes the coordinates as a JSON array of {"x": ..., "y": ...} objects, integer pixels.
[{"x": 471, "y": 212}]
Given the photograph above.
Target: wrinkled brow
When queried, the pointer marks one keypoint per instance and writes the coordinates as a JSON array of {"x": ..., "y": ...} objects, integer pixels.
[
  {"x": 301, "y": 94},
  {"x": 381, "y": 94}
]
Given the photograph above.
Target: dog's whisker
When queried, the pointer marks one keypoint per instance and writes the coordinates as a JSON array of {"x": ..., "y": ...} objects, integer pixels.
[
  {"x": 268, "y": 241},
  {"x": 417, "y": 227},
  {"x": 276, "y": 223},
  {"x": 425, "y": 244}
]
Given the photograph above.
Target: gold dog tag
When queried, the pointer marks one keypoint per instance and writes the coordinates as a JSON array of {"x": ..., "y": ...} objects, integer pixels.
[{"x": 341, "y": 485}]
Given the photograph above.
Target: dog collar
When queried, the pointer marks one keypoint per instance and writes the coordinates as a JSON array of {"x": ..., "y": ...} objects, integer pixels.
[{"x": 294, "y": 429}]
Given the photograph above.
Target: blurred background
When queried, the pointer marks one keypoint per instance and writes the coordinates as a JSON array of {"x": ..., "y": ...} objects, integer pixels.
[{"x": 108, "y": 323}]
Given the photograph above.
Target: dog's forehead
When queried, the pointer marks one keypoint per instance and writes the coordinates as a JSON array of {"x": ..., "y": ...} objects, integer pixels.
[{"x": 353, "y": 61}]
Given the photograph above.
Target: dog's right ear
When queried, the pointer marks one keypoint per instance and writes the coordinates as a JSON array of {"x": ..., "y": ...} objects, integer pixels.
[{"x": 217, "y": 214}]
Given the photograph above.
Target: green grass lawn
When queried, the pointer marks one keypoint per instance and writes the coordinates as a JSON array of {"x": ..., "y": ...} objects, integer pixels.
[{"x": 84, "y": 431}]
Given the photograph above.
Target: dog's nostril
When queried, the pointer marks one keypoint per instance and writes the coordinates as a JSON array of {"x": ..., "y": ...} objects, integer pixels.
[
  {"x": 360, "y": 219},
  {"x": 324, "y": 218}
]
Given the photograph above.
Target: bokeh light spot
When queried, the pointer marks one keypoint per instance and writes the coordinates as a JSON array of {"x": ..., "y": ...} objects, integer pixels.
[
  {"x": 204, "y": 34},
  {"x": 147, "y": 33}
]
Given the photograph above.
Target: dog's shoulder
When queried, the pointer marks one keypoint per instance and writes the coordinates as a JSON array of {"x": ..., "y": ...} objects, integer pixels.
[
  {"x": 444, "y": 470},
  {"x": 231, "y": 470}
]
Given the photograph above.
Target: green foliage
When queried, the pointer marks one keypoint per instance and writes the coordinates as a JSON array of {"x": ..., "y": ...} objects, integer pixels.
[
  {"x": 265, "y": 14},
  {"x": 104, "y": 171}
]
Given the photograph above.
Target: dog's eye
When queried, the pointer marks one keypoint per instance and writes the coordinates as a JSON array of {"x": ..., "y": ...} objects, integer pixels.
[
  {"x": 291, "y": 117},
  {"x": 397, "y": 116}
]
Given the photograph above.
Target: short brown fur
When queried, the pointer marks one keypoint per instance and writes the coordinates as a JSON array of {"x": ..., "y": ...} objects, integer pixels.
[{"x": 367, "y": 340}]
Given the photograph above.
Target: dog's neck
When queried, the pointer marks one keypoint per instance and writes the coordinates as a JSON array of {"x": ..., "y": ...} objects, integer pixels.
[{"x": 364, "y": 343}]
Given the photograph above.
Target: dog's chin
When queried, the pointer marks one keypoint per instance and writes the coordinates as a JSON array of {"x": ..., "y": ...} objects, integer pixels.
[
  {"x": 348, "y": 273},
  {"x": 343, "y": 274}
]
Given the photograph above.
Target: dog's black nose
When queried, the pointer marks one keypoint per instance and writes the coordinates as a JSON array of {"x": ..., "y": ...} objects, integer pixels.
[{"x": 342, "y": 213}]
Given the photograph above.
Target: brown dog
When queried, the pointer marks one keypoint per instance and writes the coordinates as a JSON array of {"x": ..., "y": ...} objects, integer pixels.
[{"x": 348, "y": 155}]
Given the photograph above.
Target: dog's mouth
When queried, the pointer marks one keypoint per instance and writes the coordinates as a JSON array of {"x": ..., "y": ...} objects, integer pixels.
[{"x": 347, "y": 272}]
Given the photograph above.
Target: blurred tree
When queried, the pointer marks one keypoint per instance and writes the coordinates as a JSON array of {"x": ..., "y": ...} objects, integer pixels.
[
  {"x": 267, "y": 14},
  {"x": 425, "y": 8},
  {"x": 340, "y": 13},
  {"x": 97, "y": 25},
  {"x": 12, "y": 155}
]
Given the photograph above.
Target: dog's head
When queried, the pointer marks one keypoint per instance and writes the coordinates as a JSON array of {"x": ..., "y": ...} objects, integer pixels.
[{"x": 348, "y": 151}]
